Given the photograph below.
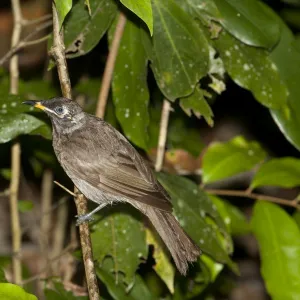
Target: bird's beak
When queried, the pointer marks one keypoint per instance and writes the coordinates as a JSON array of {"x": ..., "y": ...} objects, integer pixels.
[{"x": 36, "y": 104}]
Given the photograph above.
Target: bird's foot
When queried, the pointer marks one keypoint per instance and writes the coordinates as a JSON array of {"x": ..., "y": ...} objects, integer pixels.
[{"x": 84, "y": 218}]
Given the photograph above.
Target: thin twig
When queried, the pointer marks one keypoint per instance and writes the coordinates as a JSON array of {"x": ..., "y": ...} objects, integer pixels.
[
  {"x": 47, "y": 188},
  {"x": 109, "y": 67},
  {"x": 163, "y": 131},
  {"x": 58, "y": 52},
  {"x": 35, "y": 21},
  {"x": 25, "y": 42},
  {"x": 254, "y": 196},
  {"x": 15, "y": 151},
  {"x": 66, "y": 189}
]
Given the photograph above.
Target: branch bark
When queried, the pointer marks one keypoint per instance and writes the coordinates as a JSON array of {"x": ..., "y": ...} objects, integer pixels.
[
  {"x": 163, "y": 132},
  {"x": 15, "y": 151},
  {"x": 58, "y": 52},
  {"x": 109, "y": 67}
]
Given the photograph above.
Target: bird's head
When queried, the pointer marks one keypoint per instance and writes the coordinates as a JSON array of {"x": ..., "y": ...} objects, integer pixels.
[{"x": 62, "y": 111}]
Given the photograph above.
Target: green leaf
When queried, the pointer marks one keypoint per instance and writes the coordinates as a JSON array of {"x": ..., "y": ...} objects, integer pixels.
[
  {"x": 14, "y": 119},
  {"x": 249, "y": 21},
  {"x": 283, "y": 172},
  {"x": 58, "y": 292},
  {"x": 82, "y": 32},
  {"x": 25, "y": 205},
  {"x": 114, "y": 235},
  {"x": 252, "y": 69},
  {"x": 163, "y": 266},
  {"x": 279, "y": 240},
  {"x": 234, "y": 219},
  {"x": 143, "y": 9},
  {"x": 180, "y": 50},
  {"x": 198, "y": 216},
  {"x": 10, "y": 291},
  {"x": 222, "y": 160},
  {"x": 287, "y": 59},
  {"x": 63, "y": 7},
  {"x": 117, "y": 291},
  {"x": 130, "y": 90},
  {"x": 5, "y": 173},
  {"x": 197, "y": 103},
  {"x": 140, "y": 290}
]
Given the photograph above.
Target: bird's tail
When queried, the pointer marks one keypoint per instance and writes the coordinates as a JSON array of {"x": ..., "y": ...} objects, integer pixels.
[{"x": 181, "y": 246}]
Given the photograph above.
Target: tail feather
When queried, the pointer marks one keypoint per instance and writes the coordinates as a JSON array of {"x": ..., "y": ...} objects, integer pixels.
[{"x": 180, "y": 245}]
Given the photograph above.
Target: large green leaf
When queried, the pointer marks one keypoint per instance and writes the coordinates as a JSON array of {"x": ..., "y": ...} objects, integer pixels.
[
  {"x": 249, "y": 21},
  {"x": 252, "y": 69},
  {"x": 63, "y": 7},
  {"x": 10, "y": 291},
  {"x": 82, "y": 32},
  {"x": 180, "y": 50},
  {"x": 283, "y": 172},
  {"x": 130, "y": 90},
  {"x": 222, "y": 160},
  {"x": 121, "y": 236},
  {"x": 287, "y": 59},
  {"x": 194, "y": 210},
  {"x": 143, "y": 9},
  {"x": 279, "y": 240},
  {"x": 14, "y": 119},
  {"x": 234, "y": 219}
]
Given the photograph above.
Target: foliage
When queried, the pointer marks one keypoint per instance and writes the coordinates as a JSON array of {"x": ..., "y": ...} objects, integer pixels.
[{"x": 193, "y": 54}]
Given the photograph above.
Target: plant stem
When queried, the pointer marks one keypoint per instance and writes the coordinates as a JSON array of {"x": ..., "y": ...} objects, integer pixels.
[
  {"x": 15, "y": 151},
  {"x": 254, "y": 196},
  {"x": 109, "y": 67},
  {"x": 163, "y": 132},
  {"x": 58, "y": 52}
]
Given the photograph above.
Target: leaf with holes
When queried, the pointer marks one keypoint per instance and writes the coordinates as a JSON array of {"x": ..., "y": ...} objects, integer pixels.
[
  {"x": 223, "y": 160},
  {"x": 180, "y": 50},
  {"x": 143, "y": 9},
  {"x": 199, "y": 217},
  {"x": 252, "y": 69},
  {"x": 113, "y": 236},
  {"x": 279, "y": 241},
  {"x": 82, "y": 32},
  {"x": 129, "y": 85}
]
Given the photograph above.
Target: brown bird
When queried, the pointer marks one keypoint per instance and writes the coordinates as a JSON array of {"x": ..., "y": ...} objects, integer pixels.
[{"x": 106, "y": 168}]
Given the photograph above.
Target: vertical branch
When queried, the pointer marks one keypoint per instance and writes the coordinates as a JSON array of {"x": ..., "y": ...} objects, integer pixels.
[
  {"x": 109, "y": 67},
  {"x": 163, "y": 131},
  {"x": 15, "y": 151},
  {"x": 80, "y": 201},
  {"x": 47, "y": 187}
]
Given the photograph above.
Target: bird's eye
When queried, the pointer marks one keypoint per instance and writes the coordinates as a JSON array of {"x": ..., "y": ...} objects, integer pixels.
[{"x": 59, "y": 110}]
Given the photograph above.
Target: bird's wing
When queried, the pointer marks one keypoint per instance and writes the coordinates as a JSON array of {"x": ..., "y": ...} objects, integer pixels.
[{"x": 106, "y": 160}]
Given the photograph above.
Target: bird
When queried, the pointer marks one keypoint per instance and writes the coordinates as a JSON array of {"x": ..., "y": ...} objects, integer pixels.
[{"x": 107, "y": 169}]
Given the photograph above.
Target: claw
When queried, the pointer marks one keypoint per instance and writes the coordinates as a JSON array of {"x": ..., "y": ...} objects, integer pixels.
[{"x": 84, "y": 218}]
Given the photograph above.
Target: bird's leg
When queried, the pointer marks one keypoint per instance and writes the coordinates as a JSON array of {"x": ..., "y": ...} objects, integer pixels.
[{"x": 88, "y": 217}]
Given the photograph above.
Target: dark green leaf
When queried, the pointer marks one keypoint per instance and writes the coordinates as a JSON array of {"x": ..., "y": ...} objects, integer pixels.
[
  {"x": 222, "y": 160},
  {"x": 279, "y": 240},
  {"x": 197, "y": 104},
  {"x": 82, "y": 32},
  {"x": 25, "y": 205},
  {"x": 195, "y": 211},
  {"x": 252, "y": 69},
  {"x": 249, "y": 21},
  {"x": 130, "y": 90},
  {"x": 287, "y": 59},
  {"x": 234, "y": 219},
  {"x": 113, "y": 236},
  {"x": 180, "y": 50},
  {"x": 117, "y": 291},
  {"x": 2, "y": 276},
  {"x": 291, "y": 16},
  {"x": 283, "y": 172},
  {"x": 140, "y": 290},
  {"x": 58, "y": 292},
  {"x": 143, "y": 9},
  {"x": 10, "y": 291},
  {"x": 62, "y": 7}
]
